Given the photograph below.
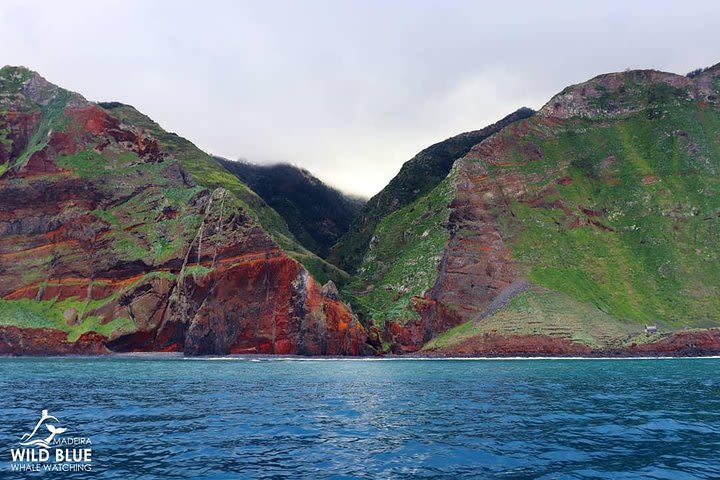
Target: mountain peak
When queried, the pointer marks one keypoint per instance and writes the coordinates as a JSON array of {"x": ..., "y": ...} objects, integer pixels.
[
  {"x": 417, "y": 177},
  {"x": 18, "y": 71},
  {"x": 620, "y": 94},
  {"x": 123, "y": 212},
  {"x": 610, "y": 94},
  {"x": 25, "y": 89}
]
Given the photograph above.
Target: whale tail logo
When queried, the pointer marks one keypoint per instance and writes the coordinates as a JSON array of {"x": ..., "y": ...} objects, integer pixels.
[{"x": 29, "y": 439}]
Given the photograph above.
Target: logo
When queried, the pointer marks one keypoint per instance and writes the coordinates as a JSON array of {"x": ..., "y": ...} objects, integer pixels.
[
  {"x": 30, "y": 439},
  {"x": 45, "y": 448}
]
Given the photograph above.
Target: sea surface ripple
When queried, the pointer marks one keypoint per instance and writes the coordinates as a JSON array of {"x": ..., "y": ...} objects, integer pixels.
[{"x": 274, "y": 418}]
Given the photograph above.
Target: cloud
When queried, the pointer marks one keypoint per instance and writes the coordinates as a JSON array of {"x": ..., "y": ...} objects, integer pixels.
[{"x": 348, "y": 89}]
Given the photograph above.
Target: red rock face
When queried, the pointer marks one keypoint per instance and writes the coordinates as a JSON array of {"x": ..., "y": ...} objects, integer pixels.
[
  {"x": 259, "y": 305},
  {"x": 20, "y": 126},
  {"x": 680, "y": 344},
  {"x": 88, "y": 125},
  {"x": 692, "y": 343},
  {"x": 476, "y": 265},
  {"x": 493, "y": 345},
  {"x": 408, "y": 337},
  {"x": 47, "y": 341}
]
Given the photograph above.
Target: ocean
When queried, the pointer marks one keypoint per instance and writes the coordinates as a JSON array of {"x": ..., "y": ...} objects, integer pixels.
[{"x": 151, "y": 417}]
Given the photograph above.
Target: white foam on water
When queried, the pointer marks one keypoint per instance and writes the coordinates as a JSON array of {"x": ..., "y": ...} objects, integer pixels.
[{"x": 271, "y": 358}]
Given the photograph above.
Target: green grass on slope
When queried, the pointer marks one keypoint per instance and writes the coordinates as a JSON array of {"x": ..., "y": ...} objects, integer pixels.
[
  {"x": 139, "y": 231},
  {"x": 403, "y": 261},
  {"x": 53, "y": 118},
  {"x": 28, "y": 313},
  {"x": 208, "y": 172},
  {"x": 417, "y": 178},
  {"x": 544, "y": 312},
  {"x": 49, "y": 314},
  {"x": 654, "y": 181}
]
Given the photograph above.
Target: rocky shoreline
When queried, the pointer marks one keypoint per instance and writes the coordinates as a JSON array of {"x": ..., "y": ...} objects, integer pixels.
[
  {"x": 677, "y": 344},
  {"x": 15, "y": 341}
]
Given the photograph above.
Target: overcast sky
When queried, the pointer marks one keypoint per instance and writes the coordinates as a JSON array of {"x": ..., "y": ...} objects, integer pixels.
[{"x": 348, "y": 90}]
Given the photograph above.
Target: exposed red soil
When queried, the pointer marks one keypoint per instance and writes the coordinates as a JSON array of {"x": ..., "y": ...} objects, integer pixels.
[
  {"x": 565, "y": 181},
  {"x": 525, "y": 345},
  {"x": 692, "y": 343}
]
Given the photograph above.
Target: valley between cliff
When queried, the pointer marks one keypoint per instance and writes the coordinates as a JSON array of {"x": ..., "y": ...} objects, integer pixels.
[{"x": 562, "y": 232}]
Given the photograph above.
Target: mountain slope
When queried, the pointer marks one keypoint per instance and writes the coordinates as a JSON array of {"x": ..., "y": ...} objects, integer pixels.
[
  {"x": 564, "y": 232},
  {"x": 417, "y": 177},
  {"x": 316, "y": 214},
  {"x": 107, "y": 242},
  {"x": 604, "y": 204},
  {"x": 210, "y": 173}
]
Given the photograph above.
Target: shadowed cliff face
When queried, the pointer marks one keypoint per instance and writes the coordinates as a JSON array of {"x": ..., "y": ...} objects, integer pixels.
[
  {"x": 106, "y": 243},
  {"x": 317, "y": 214}
]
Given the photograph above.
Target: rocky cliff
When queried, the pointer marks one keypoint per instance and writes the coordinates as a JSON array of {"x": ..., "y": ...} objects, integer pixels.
[
  {"x": 116, "y": 236},
  {"x": 565, "y": 232}
]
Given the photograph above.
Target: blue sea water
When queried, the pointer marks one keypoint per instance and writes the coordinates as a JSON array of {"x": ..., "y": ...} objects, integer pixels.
[{"x": 507, "y": 419}]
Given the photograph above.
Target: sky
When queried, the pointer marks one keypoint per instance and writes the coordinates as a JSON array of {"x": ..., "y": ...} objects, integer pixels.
[{"x": 347, "y": 89}]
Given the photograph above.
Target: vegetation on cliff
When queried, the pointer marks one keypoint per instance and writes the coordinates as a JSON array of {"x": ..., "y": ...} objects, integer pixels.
[
  {"x": 211, "y": 172},
  {"x": 417, "y": 177},
  {"x": 562, "y": 231},
  {"x": 608, "y": 200}
]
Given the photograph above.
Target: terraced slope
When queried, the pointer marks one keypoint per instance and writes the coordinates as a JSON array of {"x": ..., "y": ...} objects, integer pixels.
[
  {"x": 115, "y": 235},
  {"x": 605, "y": 201},
  {"x": 546, "y": 313}
]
